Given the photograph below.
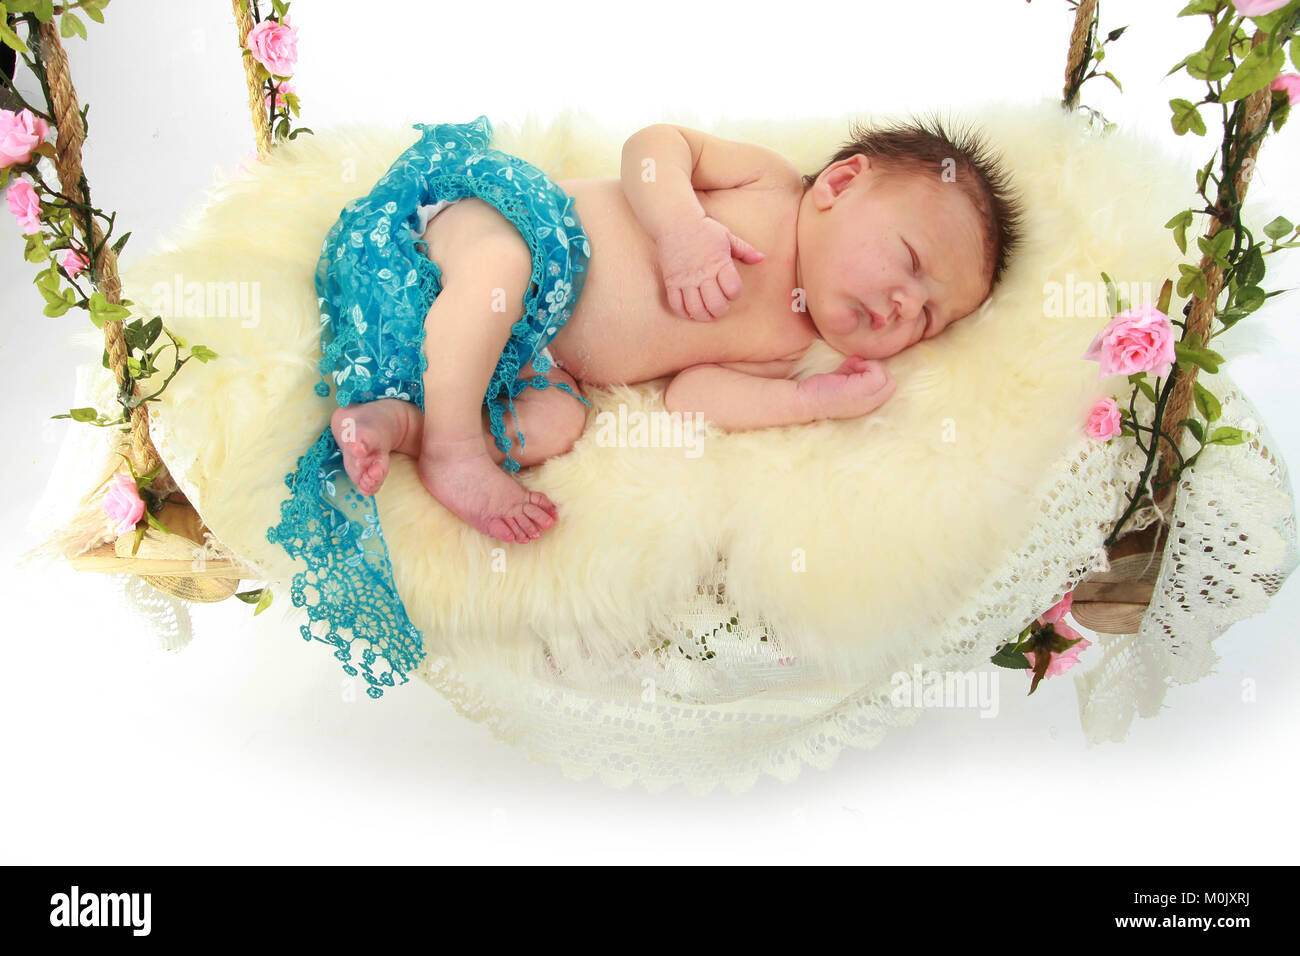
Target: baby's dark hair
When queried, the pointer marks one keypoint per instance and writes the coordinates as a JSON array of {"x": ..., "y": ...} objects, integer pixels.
[{"x": 924, "y": 146}]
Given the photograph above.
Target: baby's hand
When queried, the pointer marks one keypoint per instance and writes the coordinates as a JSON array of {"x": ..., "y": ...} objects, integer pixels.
[
  {"x": 857, "y": 387},
  {"x": 698, "y": 272}
]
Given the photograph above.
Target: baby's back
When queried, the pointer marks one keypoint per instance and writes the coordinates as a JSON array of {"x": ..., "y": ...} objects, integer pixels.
[{"x": 622, "y": 331}]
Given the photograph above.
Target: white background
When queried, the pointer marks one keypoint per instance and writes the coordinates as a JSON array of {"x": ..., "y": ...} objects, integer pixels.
[{"x": 240, "y": 748}]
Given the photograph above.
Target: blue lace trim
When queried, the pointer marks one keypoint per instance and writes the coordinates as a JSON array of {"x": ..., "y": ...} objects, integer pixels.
[{"x": 374, "y": 285}]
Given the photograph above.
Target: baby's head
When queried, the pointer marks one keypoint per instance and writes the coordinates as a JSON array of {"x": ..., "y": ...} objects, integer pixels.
[{"x": 903, "y": 232}]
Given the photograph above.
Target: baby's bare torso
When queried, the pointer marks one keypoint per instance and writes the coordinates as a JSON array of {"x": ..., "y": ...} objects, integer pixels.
[{"x": 622, "y": 331}]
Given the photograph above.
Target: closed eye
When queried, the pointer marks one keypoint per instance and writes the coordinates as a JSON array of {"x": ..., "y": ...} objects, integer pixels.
[{"x": 916, "y": 271}]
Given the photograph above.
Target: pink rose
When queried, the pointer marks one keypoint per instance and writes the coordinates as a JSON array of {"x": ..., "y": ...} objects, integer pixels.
[
  {"x": 1288, "y": 83},
  {"x": 1062, "y": 662},
  {"x": 1257, "y": 8},
  {"x": 20, "y": 134},
  {"x": 283, "y": 88},
  {"x": 122, "y": 503},
  {"x": 275, "y": 46},
  {"x": 25, "y": 205},
  {"x": 1140, "y": 339},
  {"x": 1104, "y": 422},
  {"x": 73, "y": 262},
  {"x": 1058, "y": 610}
]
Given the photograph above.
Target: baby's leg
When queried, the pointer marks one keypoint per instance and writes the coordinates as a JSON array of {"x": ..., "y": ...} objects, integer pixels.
[
  {"x": 486, "y": 268},
  {"x": 368, "y": 433}
]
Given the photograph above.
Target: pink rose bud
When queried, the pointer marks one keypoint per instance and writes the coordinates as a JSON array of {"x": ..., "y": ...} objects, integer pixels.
[
  {"x": 1288, "y": 83},
  {"x": 25, "y": 205},
  {"x": 20, "y": 134},
  {"x": 73, "y": 262},
  {"x": 1140, "y": 339},
  {"x": 1062, "y": 662},
  {"x": 1104, "y": 422},
  {"x": 275, "y": 46},
  {"x": 123, "y": 504},
  {"x": 1257, "y": 8},
  {"x": 1058, "y": 610},
  {"x": 281, "y": 90}
]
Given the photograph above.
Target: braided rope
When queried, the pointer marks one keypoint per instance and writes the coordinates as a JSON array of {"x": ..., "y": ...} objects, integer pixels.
[
  {"x": 1078, "y": 50},
  {"x": 256, "y": 96},
  {"x": 1257, "y": 107},
  {"x": 67, "y": 160}
]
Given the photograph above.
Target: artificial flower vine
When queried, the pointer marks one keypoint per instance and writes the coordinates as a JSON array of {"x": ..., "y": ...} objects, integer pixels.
[
  {"x": 1140, "y": 341},
  {"x": 1128, "y": 345},
  {"x": 272, "y": 45}
]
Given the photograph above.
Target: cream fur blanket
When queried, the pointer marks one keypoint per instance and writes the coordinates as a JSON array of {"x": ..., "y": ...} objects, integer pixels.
[{"x": 852, "y": 539}]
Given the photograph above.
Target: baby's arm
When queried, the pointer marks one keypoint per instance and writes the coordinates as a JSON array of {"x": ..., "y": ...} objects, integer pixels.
[
  {"x": 662, "y": 167},
  {"x": 738, "y": 401}
]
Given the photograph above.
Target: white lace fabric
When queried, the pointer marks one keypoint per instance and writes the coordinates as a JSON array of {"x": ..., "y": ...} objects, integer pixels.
[{"x": 718, "y": 702}]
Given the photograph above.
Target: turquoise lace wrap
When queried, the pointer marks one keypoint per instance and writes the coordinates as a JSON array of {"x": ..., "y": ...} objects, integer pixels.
[{"x": 375, "y": 284}]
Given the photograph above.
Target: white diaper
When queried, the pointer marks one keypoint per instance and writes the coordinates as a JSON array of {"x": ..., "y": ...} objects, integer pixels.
[{"x": 426, "y": 214}]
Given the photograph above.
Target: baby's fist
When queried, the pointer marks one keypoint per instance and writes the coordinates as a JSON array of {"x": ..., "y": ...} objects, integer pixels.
[{"x": 858, "y": 387}]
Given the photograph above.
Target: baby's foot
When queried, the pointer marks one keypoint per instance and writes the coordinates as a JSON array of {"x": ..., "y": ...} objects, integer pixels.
[
  {"x": 366, "y": 434},
  {"x": 462, "y": 475}
]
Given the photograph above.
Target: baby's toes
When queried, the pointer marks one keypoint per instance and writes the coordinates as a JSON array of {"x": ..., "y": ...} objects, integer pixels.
[
  {"x": 540, "y": 517},
  {"x": 539, "y": 500},
  {"x": 524, "y": 529},
  {"x": 500, "y": 529},
  {"x": 373, "y": 474}
]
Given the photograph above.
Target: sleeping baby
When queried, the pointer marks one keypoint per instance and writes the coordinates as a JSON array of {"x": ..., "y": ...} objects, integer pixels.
[{"x": 710, "y": 261}]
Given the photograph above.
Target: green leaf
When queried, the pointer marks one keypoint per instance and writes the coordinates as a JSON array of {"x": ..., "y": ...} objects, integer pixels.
[
  {"x": 263, "y": 602},
  {"x": 1206, "y": 403},
  {"x": 1179, "y": 224},
  {"x": 36, "y": 250},
  {"x": 1193, "y": 426},
  {"x": 1138, "y": 379},
  {"x": 1216, "y": 47},
  {"x": 301, "y": 129},
  {"x": 1250, "y": 268},
  {"x": 93, "y": 11},
  {"x": 11, "y": 39},
  {"x": 1202, "y": 66},
  {"x": 203, "y": 353},
  {"x": 1200, "y": 6},
  {"x": 1112, "y": 295},
  {"x": 1115, "y": 34},
  {"x": 1217, "y": 248},
  {"x": 71, "y": 24},
  {"x": 1191, "y": 281},
  {"x": 1228, "y": 436},
  {"x": 1186, "y": 116},
  {"x": 117, "y": 246},
  {"x": 1295, "y": 52},
  {"x": 1198, "y": 356},
  {"x": 83, "y": 414},
  {"x": 107, "y": 311},
  {"x": 1278, "y": 228},
  {"x": 57, "y": 307},
  {"x": 1249, "y": 298},
  {"x": 1015, "y": 660},
  {"x": 151, "y": 330},
  {"x": 1255, "y": 72}
]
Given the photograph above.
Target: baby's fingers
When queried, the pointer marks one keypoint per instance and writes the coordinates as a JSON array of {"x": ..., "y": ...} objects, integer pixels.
[
  {"x": 744, "y": 251},
  {"x": 714, "y": 300},
  {"x": 729, "y": 281},
  {"x": 675, "y": 302},
  {"x": 695, "y": 305}
]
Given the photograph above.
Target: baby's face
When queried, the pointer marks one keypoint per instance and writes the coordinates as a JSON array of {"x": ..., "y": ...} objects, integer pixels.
[{"x": 885, "y": 261}]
